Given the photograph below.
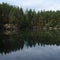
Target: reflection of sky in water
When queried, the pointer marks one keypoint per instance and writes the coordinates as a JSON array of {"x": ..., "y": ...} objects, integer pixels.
[{"x": 46, "y": 52}]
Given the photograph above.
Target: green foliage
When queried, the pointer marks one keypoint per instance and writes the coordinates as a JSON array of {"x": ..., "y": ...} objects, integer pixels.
[{"x": 27, "y": 20}]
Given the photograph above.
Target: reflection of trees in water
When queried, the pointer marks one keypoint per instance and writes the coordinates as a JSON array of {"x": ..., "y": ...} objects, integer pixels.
[
  {"x": 8, "y": 44},
  {"x": 15, "y": 42}
]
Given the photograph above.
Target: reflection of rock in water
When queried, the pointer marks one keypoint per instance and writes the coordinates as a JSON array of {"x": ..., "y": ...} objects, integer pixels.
[{"x": 9, "y": 32}]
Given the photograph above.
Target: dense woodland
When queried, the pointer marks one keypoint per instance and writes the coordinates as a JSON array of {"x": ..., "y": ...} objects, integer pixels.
[{"x": 28, "y": 19}]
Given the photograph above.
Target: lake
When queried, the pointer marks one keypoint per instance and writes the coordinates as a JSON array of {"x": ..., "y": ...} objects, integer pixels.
[{"x": 43, "y": 45}]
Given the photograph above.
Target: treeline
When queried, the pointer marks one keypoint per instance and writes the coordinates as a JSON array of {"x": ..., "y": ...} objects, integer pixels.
[{"x": 29, "y": 19}]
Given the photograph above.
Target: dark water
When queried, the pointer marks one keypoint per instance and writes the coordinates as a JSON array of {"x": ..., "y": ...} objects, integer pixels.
[{"x": 43, "y": 45}]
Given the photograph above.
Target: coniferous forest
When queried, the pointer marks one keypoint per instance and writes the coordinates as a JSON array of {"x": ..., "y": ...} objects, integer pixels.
[{"x": 29, "y": 19}]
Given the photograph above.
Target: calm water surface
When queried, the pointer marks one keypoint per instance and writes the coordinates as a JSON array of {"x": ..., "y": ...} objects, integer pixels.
[{"x": 30, "y": 46}]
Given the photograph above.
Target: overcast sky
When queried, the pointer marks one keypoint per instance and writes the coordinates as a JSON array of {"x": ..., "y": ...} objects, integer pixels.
[{"x": 35, "y": 4}]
